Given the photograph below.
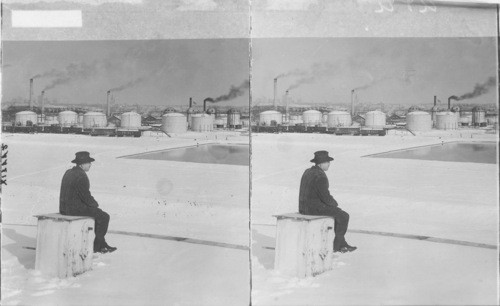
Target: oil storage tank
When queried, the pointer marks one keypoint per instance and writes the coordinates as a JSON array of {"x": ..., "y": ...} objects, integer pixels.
[
  {"x": 233, "y": 118},
  {"x": 130, "y": 120},
  {"x": 174, "y": 123},
  {"x": 312, "y": 117},
  {"x": 418, "y": 121},
  {"x": 270, "y": 118},
  {"x": 375, "y": 119},
  {"x": 478, "y": 116},
  {"x": 446, "y": 121},
  {"x": 202, "y": 123},
  {"x": 94, "y": 119},
  {"x": 339, "y": 118},
  {"x": 67, "y": 118},
  {"x": 26, "y": 118}
]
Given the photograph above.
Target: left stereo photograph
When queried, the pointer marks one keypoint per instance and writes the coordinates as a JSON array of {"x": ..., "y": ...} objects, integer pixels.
[{"x": 126, "y": 175}]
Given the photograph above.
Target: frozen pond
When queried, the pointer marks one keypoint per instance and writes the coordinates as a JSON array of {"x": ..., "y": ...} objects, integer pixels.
[
  {"x": 456, "y": 152},
  {"x": 208, "y": 153}
]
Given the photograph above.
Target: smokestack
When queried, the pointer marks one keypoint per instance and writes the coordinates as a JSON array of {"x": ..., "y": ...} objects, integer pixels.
[
  {"x": 352, "y": 103},
  {"x": 205, "y": 103},
  {"x": 275, "y": 90},
  {"x": 108, "y": 109},
  {"x": 31, "y": 94},
  {"x": 449, "y": 101},
  {"x": 286, "y": 107},
  {"x": 43, "y": 96},
  {"x": 190, "y": 102},
  {"x": 435, "y": 100}
]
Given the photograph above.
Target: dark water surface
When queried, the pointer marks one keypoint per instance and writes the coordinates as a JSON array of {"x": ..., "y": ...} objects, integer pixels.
[
  {"x": 209, "y": 154},
  {"x": 456, "y": 152}
]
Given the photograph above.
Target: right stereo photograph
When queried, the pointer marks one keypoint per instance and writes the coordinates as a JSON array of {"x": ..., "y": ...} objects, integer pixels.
[{"x": 374, "y": 171}]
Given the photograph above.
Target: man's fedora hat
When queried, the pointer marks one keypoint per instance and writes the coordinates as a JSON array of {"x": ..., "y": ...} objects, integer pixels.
[
  {"x": 321, "y": 157},
  {"x": 82, "y": 158}
]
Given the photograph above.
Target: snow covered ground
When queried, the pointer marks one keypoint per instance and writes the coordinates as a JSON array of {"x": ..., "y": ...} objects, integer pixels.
[
  {"x": 454, "y": 203},
  {"x": 207, "y": 203}
]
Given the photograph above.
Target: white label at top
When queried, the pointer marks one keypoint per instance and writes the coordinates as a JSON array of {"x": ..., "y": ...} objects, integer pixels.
[{"x": 47, "y": 19}]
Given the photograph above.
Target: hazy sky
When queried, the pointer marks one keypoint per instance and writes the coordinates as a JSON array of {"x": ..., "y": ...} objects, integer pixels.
[
  {"x": 393, "y": 70},
  {"x": 161, "y": 72},
  {"x": 167, "y": 72}
]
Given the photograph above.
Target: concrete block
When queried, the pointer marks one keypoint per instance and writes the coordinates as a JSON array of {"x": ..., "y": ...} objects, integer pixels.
[
  {"x": 64, "y": 244},
  {"x": 304, "y": 244}
]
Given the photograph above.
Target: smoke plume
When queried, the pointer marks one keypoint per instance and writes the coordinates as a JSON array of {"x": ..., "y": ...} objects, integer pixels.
[
  {"x": 295, "y": 72},
  {"x": 372, "y": 83},
  {"x": 479, "y": 89},
  {"x": 71, "y": 73},
  {"x": 128, "y": 84},
  {"x": 134, "y": 57},
  {"x": 234, "y": 92},
  {"x": 315, "y": 72}
]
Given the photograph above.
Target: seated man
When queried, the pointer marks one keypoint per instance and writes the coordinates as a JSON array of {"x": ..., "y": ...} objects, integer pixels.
[
  {"x": 315, "y": 199},
  {"x": 75, "y": 200}
]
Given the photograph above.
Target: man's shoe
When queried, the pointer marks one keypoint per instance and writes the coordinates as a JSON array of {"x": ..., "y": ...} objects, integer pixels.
[
  {"x": 109, "y": 248},
  {"x": 350, "y": 248},
  {"x": 102, "y": 250},
  {"x": 345, "y": 249},
  {"x": 341, "y": 250}
]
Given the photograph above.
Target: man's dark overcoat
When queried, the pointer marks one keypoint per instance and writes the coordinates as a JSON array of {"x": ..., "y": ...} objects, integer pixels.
[
  {"x": 314, "y": 196},
  {"x": 75, "y": 194}
]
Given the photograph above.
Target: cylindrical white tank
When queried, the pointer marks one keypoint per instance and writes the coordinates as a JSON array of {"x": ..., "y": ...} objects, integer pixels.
[
  {"x": 339, "y": 118},
  {"x": 25, "y": 118},
  {"x": 270, "y": 117},
  {"x": 312, "y": 117},
  {"x": 446, "y": 121},
  {"x": 174, "y": 123},
  {"x": 202, "y": 123},
  {"x": 67, "y": 118},
  {"x": 233, "y": 118},
  {"x": 94, "y": 119},
  {"x": 478, "y": 116},
  {"x": 418, "y": 121},
  {"x": 375, "y": 119},
  {"x": 130, "y": 120}
]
